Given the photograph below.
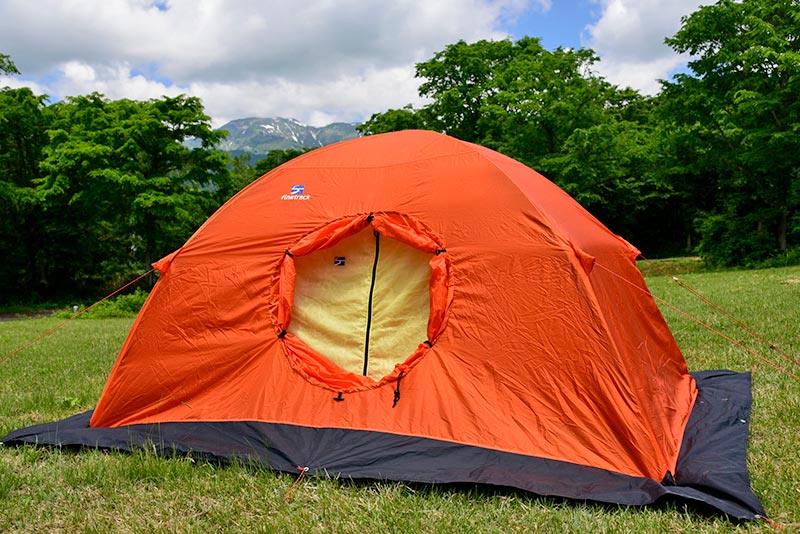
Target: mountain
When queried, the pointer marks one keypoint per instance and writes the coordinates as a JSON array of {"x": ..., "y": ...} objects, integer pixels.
[{"x": 258, "y": 136}]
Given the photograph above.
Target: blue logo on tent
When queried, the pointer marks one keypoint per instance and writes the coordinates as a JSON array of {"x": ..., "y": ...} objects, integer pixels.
[
  {"x": 298, "y": 192},
  {"x": 339, "y": 261}
]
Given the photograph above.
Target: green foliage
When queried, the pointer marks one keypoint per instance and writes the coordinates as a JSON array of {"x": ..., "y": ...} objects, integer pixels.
[
  {"x": 120, "y": 306},
  {"x": 394, "y": 120},
  {"x": 729, "y": 240},
  {"x": 612, "y": 169},
  {"x": 126, "y": 305},
  {"x": 7, "y": 66},
  {"x": 672, "y": 266},
  {"x": 462, "y": 81},
  {"x": 515, "y": 97},
  {"x": 117, "y": 178},
  {"x": 740, "y": 110},
  {"x": 23, "y": 121},
  {"x": 241, "y": 170}
]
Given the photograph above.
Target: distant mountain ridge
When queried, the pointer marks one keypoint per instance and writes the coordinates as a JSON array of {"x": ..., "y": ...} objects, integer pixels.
[{"x": 258, "y": 136}]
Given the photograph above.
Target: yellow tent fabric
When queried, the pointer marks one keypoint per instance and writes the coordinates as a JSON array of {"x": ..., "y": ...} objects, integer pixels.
[{"x": 337, "y": 287}]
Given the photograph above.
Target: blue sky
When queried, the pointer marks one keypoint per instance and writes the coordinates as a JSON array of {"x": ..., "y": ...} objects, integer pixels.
[
  {"x": 562, "y": 24},
  {"x": 318, "y": 61}
]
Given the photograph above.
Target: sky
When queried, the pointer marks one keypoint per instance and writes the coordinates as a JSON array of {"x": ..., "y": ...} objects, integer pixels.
[{"x": 318, "y": 61}]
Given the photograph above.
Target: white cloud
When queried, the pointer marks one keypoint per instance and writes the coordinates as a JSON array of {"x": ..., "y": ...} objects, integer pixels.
[
  {"x": 114, "y": 81},
  {"x": 16, "y": 83},
  {"x": 629, "y": 38},
  {"x": 642, "y": 75},
  {"x": 317, "y": 60},
  {"x": 348, "y": 98}
]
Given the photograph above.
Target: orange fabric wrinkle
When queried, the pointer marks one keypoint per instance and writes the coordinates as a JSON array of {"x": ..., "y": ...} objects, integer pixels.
[
  {"x": 407, "y": 231},
  {"x": 441, "y": 294},
  {"x": 329, "y": 235},
  {"x": 163, "y": 264},
  {"x": 286, "y": 293},
  {"x": 587, "y": 261}
]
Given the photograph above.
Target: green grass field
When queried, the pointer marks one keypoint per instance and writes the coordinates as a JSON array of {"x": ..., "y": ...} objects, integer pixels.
[{"x": 50, "y": 490}]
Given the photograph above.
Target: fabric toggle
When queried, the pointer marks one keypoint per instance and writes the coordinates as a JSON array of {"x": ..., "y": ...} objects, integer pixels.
[{"x": 397, "y": 389}]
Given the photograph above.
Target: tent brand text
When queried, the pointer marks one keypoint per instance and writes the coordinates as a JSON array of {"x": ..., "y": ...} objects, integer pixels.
[{"x": 297, "y": 193}]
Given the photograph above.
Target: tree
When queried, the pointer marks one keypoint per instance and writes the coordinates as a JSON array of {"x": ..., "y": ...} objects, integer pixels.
[
  {"x": 119, "y": 179},
  {"x": 462, "y": 81},
  {"x": 22, "y": 135},
  {"x": 612, "y": 169},
  {"x": 241, "y": 170},
  {"x": 276, "y": 158},
  {"x": 173, "y": 188},
  {"x": 23, "y": 124},
  {"x": 394, "y": 120},
  {"x": 515, "y": 97},
  {"x": 740, "y": 104},
  {"x": 7, "y": 66}
]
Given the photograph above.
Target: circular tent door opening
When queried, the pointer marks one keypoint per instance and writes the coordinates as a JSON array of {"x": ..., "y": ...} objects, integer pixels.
[{"x": 361, "y": 299}]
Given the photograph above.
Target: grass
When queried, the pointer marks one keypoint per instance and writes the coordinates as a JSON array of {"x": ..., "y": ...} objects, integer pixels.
[
  {"x": 673, "y": 266},
  {"x": 93, "y": 491}
]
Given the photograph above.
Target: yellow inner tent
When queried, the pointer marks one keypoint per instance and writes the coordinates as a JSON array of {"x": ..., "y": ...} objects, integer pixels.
[{"x": 363, "y": 303}]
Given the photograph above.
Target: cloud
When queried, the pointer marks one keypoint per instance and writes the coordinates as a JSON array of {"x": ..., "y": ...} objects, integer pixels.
[
  {"x": 348, "y": 98},
  {"x": 319, "y": 60},
  {"x": 114, "y": 81},
  {"x": 629, "y": 38},
  {"x": 316, "y": 61},
  {"x": 15, "y": 83}
]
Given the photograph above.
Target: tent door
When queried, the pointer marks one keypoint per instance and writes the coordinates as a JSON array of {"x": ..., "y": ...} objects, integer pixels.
[{"x": 363, "y": 303}]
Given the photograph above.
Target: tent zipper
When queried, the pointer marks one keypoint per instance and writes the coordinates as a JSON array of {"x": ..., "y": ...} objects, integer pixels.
[{"x": 369, "y": 304}]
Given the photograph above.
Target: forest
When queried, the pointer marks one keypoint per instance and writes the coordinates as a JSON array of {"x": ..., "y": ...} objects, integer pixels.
[{"x": 93, "y": 190}]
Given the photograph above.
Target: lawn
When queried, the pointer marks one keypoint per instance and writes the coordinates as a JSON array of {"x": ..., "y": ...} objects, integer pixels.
[{"x": 92, "y": 491}]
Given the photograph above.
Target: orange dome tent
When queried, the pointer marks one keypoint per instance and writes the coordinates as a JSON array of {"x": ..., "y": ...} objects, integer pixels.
[{"x": 409, "y": 306}]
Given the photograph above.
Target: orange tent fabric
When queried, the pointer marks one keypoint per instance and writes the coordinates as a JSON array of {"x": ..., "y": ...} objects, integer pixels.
[{"x": 542, "y": 339}]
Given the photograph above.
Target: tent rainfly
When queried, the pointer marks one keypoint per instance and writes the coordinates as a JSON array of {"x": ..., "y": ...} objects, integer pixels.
[{"x": 413, "y": 307}]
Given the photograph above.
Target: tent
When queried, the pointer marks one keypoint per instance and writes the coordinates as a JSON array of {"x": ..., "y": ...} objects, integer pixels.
[{"x": 412, "y": 307}]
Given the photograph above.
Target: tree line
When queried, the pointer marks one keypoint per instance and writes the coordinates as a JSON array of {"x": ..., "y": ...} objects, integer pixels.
[{"x": 92, "y": 190}]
